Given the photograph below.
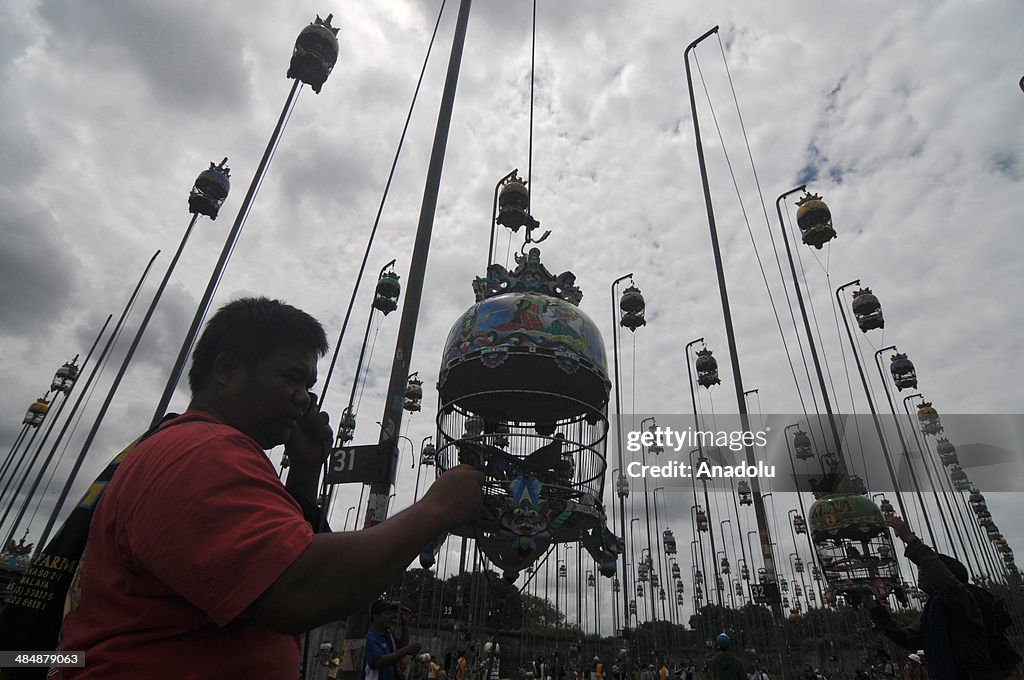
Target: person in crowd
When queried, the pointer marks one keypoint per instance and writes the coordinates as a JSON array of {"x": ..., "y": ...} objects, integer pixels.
[{"x": 725, "y": 665}]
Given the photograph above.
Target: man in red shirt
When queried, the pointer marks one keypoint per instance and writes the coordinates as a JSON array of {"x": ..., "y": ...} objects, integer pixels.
[{"x": 200, "y": 563}]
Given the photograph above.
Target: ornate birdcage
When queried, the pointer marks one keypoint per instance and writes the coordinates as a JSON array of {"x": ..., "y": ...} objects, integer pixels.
[
  {"x": 669, "y": 541},
  {"x": 37, "y": 412},
  {"x": 315, "y": 53},
  {"x": 947, "y": 452},
  {"x": 513, "y": 203},
  {"x": 210, "y": 190},
  {"x": 702, "y": 520},
  {"x": 744, "y": 572},
  {"x": 346, "y": 425},
  {"x": 655, "y": 448},
  {"x": 707, "y": 369},
  {"x": 743, "y": 489},
  {"x": 632, "y": 308},
  {"x": 903, "y": 374},
  {"x": 676, "y": 574},
  {"x": 428, "y": 454},
  {"x": 388, "y": 289},
  {"x": 64, "y": 379},
  {"x": 724, "y": 565},
  {"x": 867, "y": 310},
  {"x": 853, "y": 545},
  {"x": 413, "y": 394},
  {"x": 591, "y": 582},
  {"x": 815, "y": 220},
  {"x": 928, "y": 418},
  {"x": 526, "y": 363},
  {"x": 799, "y": 524},
  {"x": 802, "y": 445},
  {"x": 959, "y": 478}
]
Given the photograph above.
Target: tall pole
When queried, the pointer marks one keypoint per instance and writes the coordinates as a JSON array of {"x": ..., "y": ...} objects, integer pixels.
[
  {"x": 329, "y": 496},
  {"x": 67, "y": 421},
  {"x": 622, "y": 489},
  {"x": 652, "y": 612},
  {"x": 928, "y": 461},
  {"x": 376, "y": 507},
  {"x": 225, "y": 253},
  {"x": 30, "y": 458},
  {"x": 703, "y": 481},
  {"x": 871, "y": 402},
  {"x": 99, "y": 363},
  {"x": 138, "y": 338},
  {"x": 759, "y": 513},
  {"x": 807, "y": 329},
  {"x": 903, "y": 445}
]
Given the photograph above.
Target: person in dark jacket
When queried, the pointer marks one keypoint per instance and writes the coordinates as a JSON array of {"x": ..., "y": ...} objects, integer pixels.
[
  {"x": 725, "y": 665},
  {"x": 951, "y": 630}
]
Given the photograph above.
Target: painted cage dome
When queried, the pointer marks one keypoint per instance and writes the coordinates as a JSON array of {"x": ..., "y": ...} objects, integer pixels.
[
  {"x": 850, "y": 516},
  {"x": 531, "y": 339}
]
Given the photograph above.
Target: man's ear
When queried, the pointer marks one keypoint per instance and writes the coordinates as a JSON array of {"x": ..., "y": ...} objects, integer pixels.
[{"x": 227, "y": 370}]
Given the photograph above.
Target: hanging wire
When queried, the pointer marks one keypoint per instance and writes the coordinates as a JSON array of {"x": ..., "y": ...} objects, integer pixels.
[
  {"x": 67, "y": 442},
  {"x": 533, "y": 70},
  {"x": 380, "y": 207},
  {"x": 760, "y": 264},
  {"x": 814, "y": 317},
  {"x": 255, "y": 193},
  {"x": 849, "y": 385},
  {"x": 366, "y": 373}
]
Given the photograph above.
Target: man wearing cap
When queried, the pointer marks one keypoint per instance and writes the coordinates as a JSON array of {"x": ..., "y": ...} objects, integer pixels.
[
  {"x": 384, "y": 652},
  {"x": 952, "y": 629},
  {"x": 725, "y": 665}
]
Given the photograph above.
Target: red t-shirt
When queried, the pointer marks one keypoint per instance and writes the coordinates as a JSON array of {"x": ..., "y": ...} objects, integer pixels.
[{"x": 194, "y": 526}]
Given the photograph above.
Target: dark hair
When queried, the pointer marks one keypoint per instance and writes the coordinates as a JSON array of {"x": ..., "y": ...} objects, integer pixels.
[{"x": 252, "y": 329}]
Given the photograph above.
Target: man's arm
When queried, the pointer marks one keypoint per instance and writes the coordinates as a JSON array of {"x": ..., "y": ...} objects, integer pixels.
[
  {"x": 341, "y": 572},
  {"x": 956, "y": 598},
  {"x": 388, "y": 660}
]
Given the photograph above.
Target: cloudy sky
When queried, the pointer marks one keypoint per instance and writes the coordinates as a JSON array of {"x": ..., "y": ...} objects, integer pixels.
[{"x": 906, "y": 119}]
